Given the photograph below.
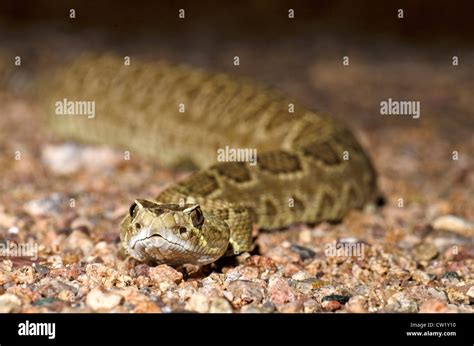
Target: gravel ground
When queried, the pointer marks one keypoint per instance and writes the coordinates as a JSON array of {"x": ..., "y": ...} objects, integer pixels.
[{"x": 414, "y": 254}]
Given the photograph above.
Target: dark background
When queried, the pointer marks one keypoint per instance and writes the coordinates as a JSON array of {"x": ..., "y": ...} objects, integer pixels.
[{"x": 424, "y": 20}]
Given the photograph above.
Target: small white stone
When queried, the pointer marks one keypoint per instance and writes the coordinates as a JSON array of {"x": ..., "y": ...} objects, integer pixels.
[
  {"x": 220, "y": 305},
  {"x": 437, "y": 294},
  {"x": 62, "y": 159},
  {"x": 13, "y": 230},
  {"x": 198, "y": 302},
  {"x": 102, "y": 301},
  {"x": 228, "y": 295},
  {"x": 49, "y": 206},
  {"x": 70, "y": 158},
  {"x": 349, "y": 240},
  {"x": 402, "y": 303},
  {"x": 305, "y": 236},
  {"x": 299, "y": 276},
  {"x": 470, "y": 292},
  {"x": 9, "y": 303}
]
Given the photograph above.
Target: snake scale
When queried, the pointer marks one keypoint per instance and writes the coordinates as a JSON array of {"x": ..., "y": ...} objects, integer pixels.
[{"x": 309, "y": 167}]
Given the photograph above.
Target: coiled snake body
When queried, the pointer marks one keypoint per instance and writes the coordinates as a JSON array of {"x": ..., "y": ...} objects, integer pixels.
[{"x": 309, "y": 167}]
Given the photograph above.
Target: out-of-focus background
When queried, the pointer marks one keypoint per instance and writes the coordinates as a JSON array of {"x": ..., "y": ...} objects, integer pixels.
[
  {"x": 409, "y": 58},
  {"x": 390, "y": 57}
]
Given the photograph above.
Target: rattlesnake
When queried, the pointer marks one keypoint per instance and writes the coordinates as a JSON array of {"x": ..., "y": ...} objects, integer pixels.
[{"x": 309, "y": 167}]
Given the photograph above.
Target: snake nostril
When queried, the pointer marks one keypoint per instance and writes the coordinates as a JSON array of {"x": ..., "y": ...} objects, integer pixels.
[
  {"x": 138, "y": 225},
  {"x": 182, "y": 230}
]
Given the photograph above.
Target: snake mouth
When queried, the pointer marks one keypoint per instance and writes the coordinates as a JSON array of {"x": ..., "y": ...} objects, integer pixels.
[
  {"x": 143, "y": 245},
  {"x": 167, "y": 240},
  {"x": 144, "y": 235}
]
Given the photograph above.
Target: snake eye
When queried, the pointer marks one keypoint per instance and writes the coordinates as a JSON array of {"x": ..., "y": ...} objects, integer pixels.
[
  {"x": 133, "y": 209},
  {"x": 197, "y": 218}
]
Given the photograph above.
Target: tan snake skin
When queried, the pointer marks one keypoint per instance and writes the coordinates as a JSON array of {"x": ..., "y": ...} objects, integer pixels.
[{"x": 309, "y": 168}]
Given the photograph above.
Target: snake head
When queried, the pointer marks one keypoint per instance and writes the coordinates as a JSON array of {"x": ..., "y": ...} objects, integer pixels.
[{"x": 174, "y": 234}]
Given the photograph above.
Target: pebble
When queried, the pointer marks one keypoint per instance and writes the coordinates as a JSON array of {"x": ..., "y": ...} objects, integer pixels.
[
  {"x": 280, "y": 291},
  {"x": 78, "y": 240},
  {"x": 198, "y": 302},
  {"x": 378, "y": 267},
  {"x": 458, "y": 294},
  {"x": 255, "y": 309},
  {"x": 454, "y": 224},
  {"x": 164, "y": 274},
  {"x": 397, "y": 273},
  {"x": 6, "y": 220},
  {"x": 290, "y": 269},
  {"x": 186, "y": 290},
  {"x": 138, "y": 301},
  {"x": 400, "y": 302},
  {"x": 451, "y": 276},
  {"x": 45, "y": 301},
  {"x": 311, "y": 306},
  {"x": 243, "y": 273},
  {"x": 228, "y": 295},
  {"x": 331, "y": 305},
  {"x": 13, "y": 230},
  {"x": 433, "y": 306},
  {"x": 242, "y": 257},
  {"x": 361, "y": 289},
  {"x": 212, "y": 290},
  {"x": 102, "y": 301},
  {"x": 343, "y": 299},
  {"x": 357, "y": 304},
  {"x": 421, "y": 276},
  {"x": 142, "y": 281},
  {"x": 307, "y": 285},
  {"x": 220, "y": 305},
  {"x": 304, "y": 252},
  {"x": 9, "y": 303},
  {"x": 262, "y": 262},
  {"x": 25, "y": 275},
  {"x": 62, "y": 159},
  {"x": 349, "y": 240},
  {"x": 141, "y": 270},
  {"x": 437, "y": 294},
  {"x": 146, "y": 307},
  {"x": 82, "y": 223},
  {"x": 291, "y": 307},
  {"x": 213, "y": 279},
  {"x": 99, "y": 274},
  {"x": 69, "y": 158},
  {"x": 470, "y": 292},
  {"x": 304, "y": 236},
  {"x": 66, "y": 296},
  {"x": 52, "y": 205},
  {"x": 5, "y": 277},
  {"x": 425, "y": 252},
  {"x": 301, "y": 286},
  {"x": 41, "y": 269},
  {"x": 247, "y": 291},
  {"x": 299, "y": 276}
]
